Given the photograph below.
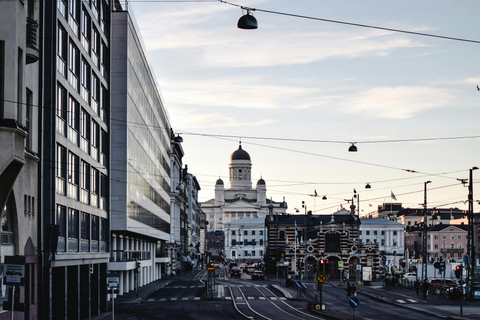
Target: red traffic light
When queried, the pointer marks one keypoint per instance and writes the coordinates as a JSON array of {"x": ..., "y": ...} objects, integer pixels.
[
  {"x": 321, "y": 261},
  {"x": 457, "y": 267},
  {"x": 328, "y": 262}
]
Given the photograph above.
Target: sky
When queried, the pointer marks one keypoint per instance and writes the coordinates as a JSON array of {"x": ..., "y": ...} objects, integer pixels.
[{"x": 297, "y": 92}]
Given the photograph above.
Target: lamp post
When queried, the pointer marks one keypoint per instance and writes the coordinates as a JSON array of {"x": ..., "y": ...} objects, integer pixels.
[
  {"x": 471, "y": 235},
  {"x": 425, "y": 226}
]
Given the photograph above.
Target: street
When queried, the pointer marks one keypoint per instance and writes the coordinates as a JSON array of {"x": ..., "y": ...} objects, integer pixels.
[{"x": 242, "y": 298}]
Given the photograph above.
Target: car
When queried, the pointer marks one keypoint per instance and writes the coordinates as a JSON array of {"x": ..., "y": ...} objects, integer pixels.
[
  {"x": 250, "y": 269},
  {"x": 216, "y": 264},
  {"x": 257, "y": 274},
  {"x": 231, "y": 265},
  {"x": 410, "y": 277},
  {"x": 235, "y": 272},
  {"x": 439, "y": 285},
  {"x": 455, "y": 293}
]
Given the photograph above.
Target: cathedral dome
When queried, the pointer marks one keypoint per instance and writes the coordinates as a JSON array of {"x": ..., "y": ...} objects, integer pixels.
[
  {"x": 219, "y": 181},
  {"x": 261, "y": 182},
  {"x": 240, "y": 154}
]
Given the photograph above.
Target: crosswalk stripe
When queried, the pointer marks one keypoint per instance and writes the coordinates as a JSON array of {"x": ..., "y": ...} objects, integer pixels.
[
  {"x": 273, "y": 298},
  {"x": 184, "y": 298},
  {"x": 261, "y": 298},
  {"x": 401, "y": 301},
  {"x": 196, "y": 298},
  {"x": 163, "y": 299},
  {"x": 251, "y": 298},
  {"x": 412, "y": 300},
  {"x": 173, "y": 299},
  {"x": 228, "y": 298}
]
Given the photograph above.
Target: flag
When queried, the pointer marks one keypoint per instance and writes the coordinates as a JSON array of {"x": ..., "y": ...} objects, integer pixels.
[
  {"x": 316, "y": 195},
  {"x": 393, "y": 196}
]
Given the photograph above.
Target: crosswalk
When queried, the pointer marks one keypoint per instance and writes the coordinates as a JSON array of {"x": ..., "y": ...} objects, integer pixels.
[
  {"x": 255, "y": 298},
  {"x": 407, "y": 301}
]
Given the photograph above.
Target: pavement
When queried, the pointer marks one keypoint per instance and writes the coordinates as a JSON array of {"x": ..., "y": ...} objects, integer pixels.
[{"x": 450, "y": 309}]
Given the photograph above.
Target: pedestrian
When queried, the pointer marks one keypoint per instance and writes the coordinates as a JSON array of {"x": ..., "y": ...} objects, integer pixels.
[
  {"x": 417, "y": 287},
  {"x": 425, "y": 286},
  {"x": 354, "y": 290},
  {"x": 349, "y": 291}
]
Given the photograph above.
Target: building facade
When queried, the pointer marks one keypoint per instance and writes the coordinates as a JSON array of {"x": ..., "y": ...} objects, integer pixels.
[
  {"x": 302, "y": 242},
  {"x": 75, "y": 158},
  {"x": 20, "y": 106},
  {"x": 140, "y": 147},
  {"x": 390, "y": 238},
  {"x": 246, "y": 240}
]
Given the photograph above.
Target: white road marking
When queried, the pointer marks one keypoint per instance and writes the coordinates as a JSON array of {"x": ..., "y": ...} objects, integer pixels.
[{"x": 401, "y": 301}]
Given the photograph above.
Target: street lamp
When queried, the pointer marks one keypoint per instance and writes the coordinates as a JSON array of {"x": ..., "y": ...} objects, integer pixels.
[{"x": 425, "y": 226}]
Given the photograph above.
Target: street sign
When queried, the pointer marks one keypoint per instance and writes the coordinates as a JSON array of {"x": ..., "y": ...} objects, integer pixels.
[
  {"x": 112, "y": 280},
  {"x": 354, "y": 302},
  {"x": 14, "y": 274},
  {"x": 211, "y": 268},
  {"x": 340, "y": 264},
  {"x": 321, "y": 278},
  {"x": 297, "y": 284},
  {"x": 467, "y": 259},
  {"x": 436, "y": 264}
]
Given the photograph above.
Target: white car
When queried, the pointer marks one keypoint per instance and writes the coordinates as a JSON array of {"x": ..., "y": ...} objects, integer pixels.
[{"x": 410, "y": 276}]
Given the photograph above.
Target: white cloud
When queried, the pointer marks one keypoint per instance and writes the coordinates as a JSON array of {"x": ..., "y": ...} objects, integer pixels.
[{"x": 396, "y": 102}]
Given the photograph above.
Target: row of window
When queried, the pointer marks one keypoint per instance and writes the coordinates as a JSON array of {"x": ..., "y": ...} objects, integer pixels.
[
  {"x": 450, "y": 246},
  {"x": 246, "y": 253},
  {"x": 99, "y": 9},
  {"x": 78, "y": 180},
  {"x": 245, "y": 232},
  {"x": 77, "y": 125},
  {"x": 247, "y": 243},
  {"x": 452, "y": 237},
  {"x": 80, "y": 231},
  {"x": 29, "y": 204},
  {"x": 375, "y": 233}
]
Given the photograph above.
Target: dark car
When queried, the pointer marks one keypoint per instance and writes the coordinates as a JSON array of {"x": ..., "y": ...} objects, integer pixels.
[
  {"x": 440, "y": 285},
  {"x": 258, "y": 275},
  {"x": 250, "y": 269},
  {"x": 231, "y": 265},
  {"x": 235, "y": 272}
]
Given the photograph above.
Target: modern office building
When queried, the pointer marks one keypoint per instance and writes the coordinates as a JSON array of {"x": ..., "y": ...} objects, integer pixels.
[
  {"x": 20, "y": 101},
  {"x": 75, "y": 158},
  {"x": 140, "y": 171}
]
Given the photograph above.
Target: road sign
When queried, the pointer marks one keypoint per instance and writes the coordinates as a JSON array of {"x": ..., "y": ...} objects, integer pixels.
[
  {"x": 436, "y": 264},
  {"x": 321, "y": 278},
  {"x": 354, "y": 302},
  {"x": 467, "y": 259},
  {"x": 211, "y": 268},
  {"x": 112, "y": 280},
  {"x": 340, "y": 264},
  {"x": 297, "y": 284}
]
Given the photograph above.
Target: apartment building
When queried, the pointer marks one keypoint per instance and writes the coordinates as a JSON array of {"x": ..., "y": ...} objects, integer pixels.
[
  {"x": 20, "y": 101},
  {"x": 75, "y": 158}
]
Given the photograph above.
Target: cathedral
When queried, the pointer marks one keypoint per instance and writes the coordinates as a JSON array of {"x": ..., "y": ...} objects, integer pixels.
[{"x": 239, "y": 200}]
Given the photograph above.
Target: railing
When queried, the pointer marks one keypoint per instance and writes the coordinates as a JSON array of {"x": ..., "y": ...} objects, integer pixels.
[{"x": 128, "y": 255}]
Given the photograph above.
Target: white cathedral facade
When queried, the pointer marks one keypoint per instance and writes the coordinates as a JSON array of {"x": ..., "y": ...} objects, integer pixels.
[{"x": 239, "y": 200}]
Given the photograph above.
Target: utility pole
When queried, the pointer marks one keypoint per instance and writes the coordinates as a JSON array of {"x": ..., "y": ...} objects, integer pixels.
[
  {"x": 471, "y": 240},
  {"x": 425, "y": 226}
]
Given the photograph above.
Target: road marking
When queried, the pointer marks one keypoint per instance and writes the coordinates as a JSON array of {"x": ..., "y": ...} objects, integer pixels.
[
  {"x": 401, "y": 301},
  {"x": 192, "y": 286},
  {"x": 261, "y": 298},
  {"x": 273, "y": 298},
  {"x": 412, "y": 300},
  {"x": 196, "y": 298},
  {"x": 163, "y": 299},
  {"x": 239, "y": 298},
  {"x": 251, "y": 298},
  {"x": 283, "y": 298},
  {"x": 151, "y": 300},
  {"x": 228, "y": 298},
  {"x": 173, "y": 299},
  {"x": 184, "y": 298}
]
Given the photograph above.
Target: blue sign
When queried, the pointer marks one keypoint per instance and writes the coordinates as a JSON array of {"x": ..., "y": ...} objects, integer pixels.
[
  {"x": 217, "y": 232},
  {"x": 354, "y": 302},
  {"x": 297, "y": 284}
]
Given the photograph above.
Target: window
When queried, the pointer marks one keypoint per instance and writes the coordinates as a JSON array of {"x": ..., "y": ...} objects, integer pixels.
[
  {"x": 253, "y": 232},
  {"x": 73, "y": 66},
  {"x": 73, "y": 15},
  {"x": 253, "y": 253},
  {"x": 61, "y": 110},
  {"x": 85, "y": 231},
  {"x": 261, "y": 242},
  {"x": 95, "y": 46},
  {"x": 233, "y": 232},
  {"x": 374, "y": 233},
  {"x": 103, "y": 191},
  {"x": 95, "y": 93},
  {"x": 452, "y": 246},
  {"x": 383, "y": 242},
  {"x": 7, "y": 216},
  {"x": 367, "y": 233},
  {"x": 73, "y": 229},
  {"x": 73, "y": 175},
  {"x": 459, "y": 237},
  {"x": 245, "y": 232},
  {"x": 61, "y": 176},
  {"x": 86, "y": 30},
  {"x": 360, "y": 232},
  {"x": 85, "y": 76},
  {"x": 104, "y": 61},
  {"x": 95, "y": 140},
  {"x": 94, "y": 187},
  {"x": 60, "y": 220},
  {"x": 452, "y": 237},
  {"x": 435, "y": 237},
  {"x": 85, "y": 183},
  {"x": 73, "y": 123},
  {"x": 394, "y": 233},
  {"x": 104, "y": 148},
  {"x": 436, "y": 246},
  {"x": 444, "y": 237},
  {"x": 28, "y": 117},
  {"x": 104, "y": 104},
  {"x": 260, "y": 232},
  {"x": 383, "y": 233},
  {"x": 85, "y": 131},
  {"x": 62, "y": 45}
]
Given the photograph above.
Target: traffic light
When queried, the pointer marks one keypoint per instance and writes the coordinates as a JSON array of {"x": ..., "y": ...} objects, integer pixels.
[
  {"x": 137, "y": 266},
  {"x": 321, "y": 262},
  {"x": 458, "y": 271}
]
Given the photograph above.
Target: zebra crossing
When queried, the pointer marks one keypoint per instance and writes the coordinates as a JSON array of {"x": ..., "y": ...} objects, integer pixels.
[
  {"x": 255, "y": 298},
  {"x": 407, "y": 301}
]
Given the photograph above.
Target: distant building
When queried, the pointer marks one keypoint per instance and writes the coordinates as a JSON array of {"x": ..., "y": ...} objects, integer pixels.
[
  {"x": 245, "y": 240},
  {"x": 302, "y": 242},
  {"x": 389, "y": 236}
]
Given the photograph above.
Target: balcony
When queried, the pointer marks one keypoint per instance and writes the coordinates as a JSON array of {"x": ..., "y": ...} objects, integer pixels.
[
  {"x": 128, "y": 255},
  {"x": 32, "y": 49}
]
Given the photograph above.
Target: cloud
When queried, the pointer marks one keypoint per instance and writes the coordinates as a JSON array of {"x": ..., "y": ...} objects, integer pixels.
[
  {"x": 396, "y": 102},
  {"x": 191, "y": 119}
]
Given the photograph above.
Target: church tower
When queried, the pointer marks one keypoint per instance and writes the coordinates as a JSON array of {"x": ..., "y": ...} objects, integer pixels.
[{"x": 240, "y": 167}]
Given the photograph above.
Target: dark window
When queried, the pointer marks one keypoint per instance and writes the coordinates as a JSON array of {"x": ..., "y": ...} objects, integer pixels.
[
  {"x": 72, "y": 223},
  {"x": 85, "y": 226},
  {"x": 61, "y": 170},
  {"x": 332, "y": 242}
]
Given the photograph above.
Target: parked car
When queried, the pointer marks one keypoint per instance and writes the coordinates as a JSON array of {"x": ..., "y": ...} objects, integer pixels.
[
  {"x": 258, "y": 275},
  {"x": 439, "y": 285},
  {"x": 235, "y": 272}
]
